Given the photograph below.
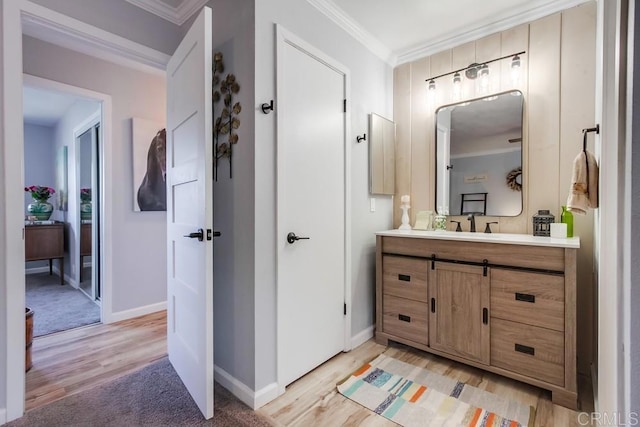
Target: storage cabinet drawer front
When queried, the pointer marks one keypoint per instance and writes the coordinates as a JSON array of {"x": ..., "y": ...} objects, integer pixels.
[
  {"x": 405, "y": 318},
  {"x": 542, "y": 257},
  {"x": 405, "y": 277},
  {"x": 531, "y": 298},
  {"x": 528, "y": 350}
]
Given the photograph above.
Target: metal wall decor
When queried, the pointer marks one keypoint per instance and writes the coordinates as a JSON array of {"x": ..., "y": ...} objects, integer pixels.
[{"x": 227, "y": 121}]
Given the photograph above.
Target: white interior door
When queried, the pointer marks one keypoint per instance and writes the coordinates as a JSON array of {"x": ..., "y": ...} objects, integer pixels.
[
  {"x": 189, "y": 210},
  {"x": 311, "y": 204}
]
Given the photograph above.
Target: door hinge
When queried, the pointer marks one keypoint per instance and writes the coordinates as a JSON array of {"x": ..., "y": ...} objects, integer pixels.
[
  {"x": 345, "y": 106},
  {"x": 345, "y": 308}
]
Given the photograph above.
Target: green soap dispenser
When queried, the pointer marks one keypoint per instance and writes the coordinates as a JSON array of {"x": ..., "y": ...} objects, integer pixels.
[{"x": 567, "y": 218}]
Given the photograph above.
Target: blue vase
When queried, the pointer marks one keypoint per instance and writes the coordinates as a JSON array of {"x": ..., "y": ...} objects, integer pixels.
[{"x": 39, "y": 209}]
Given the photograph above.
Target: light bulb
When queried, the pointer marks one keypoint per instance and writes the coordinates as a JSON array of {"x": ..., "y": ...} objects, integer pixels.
[
  {"x": 484, "y": 78},
  {"x": 515, "y": 70},
  {"x": 457, "y": 87},
  {"x": 432, "y": 85}
]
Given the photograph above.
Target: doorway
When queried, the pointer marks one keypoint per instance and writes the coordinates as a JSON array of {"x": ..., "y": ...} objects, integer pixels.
[
  {"x": 313, "y": 217},
  {"x": 53, "y": 118}
]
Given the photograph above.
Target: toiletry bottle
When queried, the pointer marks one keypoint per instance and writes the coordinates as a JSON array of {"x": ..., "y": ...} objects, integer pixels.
[{"x": 567, "y": 218}]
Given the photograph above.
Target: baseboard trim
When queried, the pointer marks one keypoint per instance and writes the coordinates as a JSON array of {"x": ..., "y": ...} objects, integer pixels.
[
  {"x": 252, "y": 399},
  {"x": 362, "y": 337},
  {"x": 3, "y": 416},
  {"x": 36, "y": 270},
  {"x": 56, "y": 270},
  {"x": 134, "y": 312}
]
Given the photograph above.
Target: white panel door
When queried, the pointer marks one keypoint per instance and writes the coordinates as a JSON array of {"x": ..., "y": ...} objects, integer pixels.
[
  {"x": 311, "y": 204},
  {"x": 189, "y": 210}
]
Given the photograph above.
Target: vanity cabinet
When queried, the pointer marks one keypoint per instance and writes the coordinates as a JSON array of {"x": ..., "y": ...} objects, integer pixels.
[
  {"x": 503, "y": 303},
  {"x": 459, "y": 317}
]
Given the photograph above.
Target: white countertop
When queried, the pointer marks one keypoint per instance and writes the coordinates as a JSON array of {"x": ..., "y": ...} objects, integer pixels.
[{"x": 504, "y": 238}]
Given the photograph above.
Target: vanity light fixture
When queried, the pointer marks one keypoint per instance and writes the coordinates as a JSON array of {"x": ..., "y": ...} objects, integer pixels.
[{"x": 476, "y": 70}]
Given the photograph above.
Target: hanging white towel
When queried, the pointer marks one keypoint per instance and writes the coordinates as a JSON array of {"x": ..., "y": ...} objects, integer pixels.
[{"x": 583, "y": 193}]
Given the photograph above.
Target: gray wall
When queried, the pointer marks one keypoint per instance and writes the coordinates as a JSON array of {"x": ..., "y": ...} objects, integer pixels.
[
  {"x": 121, "y": 18},
  {"x": 39, "y": 167},
  {"x": 138, "y": 239},
  {"x": 39, "y": 159}
]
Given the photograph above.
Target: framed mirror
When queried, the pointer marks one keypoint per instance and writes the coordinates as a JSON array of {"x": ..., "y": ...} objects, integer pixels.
[
  {"x": 382, "y": 160},
  {"x": 479, "y": 156}
]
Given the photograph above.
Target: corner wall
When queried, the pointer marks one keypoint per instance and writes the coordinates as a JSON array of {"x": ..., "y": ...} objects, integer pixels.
[{"x": 558, "y": 84}]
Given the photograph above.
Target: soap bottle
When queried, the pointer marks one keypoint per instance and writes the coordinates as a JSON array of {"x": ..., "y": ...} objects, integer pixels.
[
  {"x": 440, "y": 220},
  {"x": 567, "y": 218}
]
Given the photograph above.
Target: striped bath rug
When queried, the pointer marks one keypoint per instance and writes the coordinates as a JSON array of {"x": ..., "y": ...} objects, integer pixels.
[{"x": 413, "y": 396}]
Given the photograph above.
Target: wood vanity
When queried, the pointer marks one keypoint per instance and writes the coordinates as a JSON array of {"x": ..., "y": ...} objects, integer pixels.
[{"x": 505, "y": 303}]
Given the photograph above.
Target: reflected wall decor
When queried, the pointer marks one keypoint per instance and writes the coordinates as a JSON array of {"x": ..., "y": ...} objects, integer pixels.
[{"x": 149, "y": 165}]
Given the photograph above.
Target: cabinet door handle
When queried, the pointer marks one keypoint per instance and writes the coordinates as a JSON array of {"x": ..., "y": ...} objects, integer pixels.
[
  {"x": 525, "y": 349},
  {"x": 485, "y": 315},
  {"x": 525, "y": 297},
  {"x": 433, "y": 305},
  {"x": 404, "y": 318},
  {"x": 404, "y": 277}
]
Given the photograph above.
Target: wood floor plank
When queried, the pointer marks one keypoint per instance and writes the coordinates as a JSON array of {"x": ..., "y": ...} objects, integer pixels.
[
  {"x": 69, "y": 362},
  {"x": 74, "y": 361}
]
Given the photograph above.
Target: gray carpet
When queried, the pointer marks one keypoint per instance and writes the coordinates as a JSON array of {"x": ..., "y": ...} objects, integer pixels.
[
  {"x": 153, "y": 396},
  {"x": 57, "y": 308}
]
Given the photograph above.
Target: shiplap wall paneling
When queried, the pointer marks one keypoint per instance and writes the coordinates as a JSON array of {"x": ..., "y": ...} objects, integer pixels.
[
  {"x": 542, "y": 168},
  {"x": 421, "y": 138},
  {"x": 577, "y": 98},
  {"x": 402, "y": 118},
  {"x": 517, "y": 40}
]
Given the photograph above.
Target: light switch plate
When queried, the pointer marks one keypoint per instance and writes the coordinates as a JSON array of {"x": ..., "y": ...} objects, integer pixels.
[{"x": 372, "y": 204}]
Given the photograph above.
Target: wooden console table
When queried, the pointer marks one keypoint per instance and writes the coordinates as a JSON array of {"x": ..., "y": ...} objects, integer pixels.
[{"x": 45, "y": 242}]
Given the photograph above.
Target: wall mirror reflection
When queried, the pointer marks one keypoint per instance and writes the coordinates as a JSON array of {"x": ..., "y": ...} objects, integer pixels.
[
  {"x": 479, "y": 156},
  {"x": 382, "y": 169}
]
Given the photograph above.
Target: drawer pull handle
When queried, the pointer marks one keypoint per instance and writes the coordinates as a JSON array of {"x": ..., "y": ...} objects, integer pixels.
[
  {"x": 525, "y": 349},
  {"x": 525, "y": 297},
  {"x": 433, "y": 305},
  {"x": 404, "y": 318},
  {"x": 404, "y": 277},
  {"x": 485, "y": 316}
]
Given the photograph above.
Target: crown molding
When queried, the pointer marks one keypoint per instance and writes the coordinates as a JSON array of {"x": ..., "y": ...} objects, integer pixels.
[
  {"x": 344, "y": 21},
  {"x": 53, "y": 27},
  {"x": 496, "y": 24},
  {"x": 177, "y": 15}
]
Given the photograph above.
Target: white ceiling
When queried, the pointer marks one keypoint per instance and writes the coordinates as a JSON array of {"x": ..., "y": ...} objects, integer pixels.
[
  {"x": 45, "y": 108},
  {"x": 400, "y": 31}
]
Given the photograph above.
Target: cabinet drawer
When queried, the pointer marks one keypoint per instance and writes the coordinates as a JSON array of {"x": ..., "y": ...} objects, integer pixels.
[
  {"x": 528, "y": 350},
  {"x": 405, "y": 277},
  {"x": 405, "y": 318},
  {"x": 531, "y": 298}
]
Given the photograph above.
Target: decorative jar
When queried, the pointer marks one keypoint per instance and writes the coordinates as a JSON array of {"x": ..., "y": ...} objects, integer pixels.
[
  {"x": 40, "y": 209},
  {"x": 542, "y": 223},
  {"x": 567, "y": 218}
]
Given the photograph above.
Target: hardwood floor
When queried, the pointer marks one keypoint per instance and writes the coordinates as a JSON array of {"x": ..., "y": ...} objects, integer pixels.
[
  {"x": 314, "y": 400},
  {"x": 69, "y": 362},
  {"x": 76, "y": 360}
]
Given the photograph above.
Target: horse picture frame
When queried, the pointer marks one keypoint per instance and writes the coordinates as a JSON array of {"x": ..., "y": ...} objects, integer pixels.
[{"x": 149, "y": 165}]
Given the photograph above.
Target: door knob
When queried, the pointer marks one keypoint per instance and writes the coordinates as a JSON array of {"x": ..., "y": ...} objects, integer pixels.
[
  {"x": 291, "y": 237},
  {"x": 196, "y": 235}
]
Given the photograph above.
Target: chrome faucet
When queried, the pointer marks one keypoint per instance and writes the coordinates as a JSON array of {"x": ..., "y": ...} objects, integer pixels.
[{"x": 472, "y": 218}]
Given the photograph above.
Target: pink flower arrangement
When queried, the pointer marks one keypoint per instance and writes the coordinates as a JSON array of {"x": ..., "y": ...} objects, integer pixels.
[
  {"x": 40, "y": 193},
  {"x": 85, "y": 194}
]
